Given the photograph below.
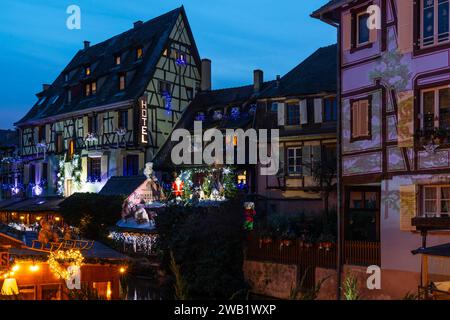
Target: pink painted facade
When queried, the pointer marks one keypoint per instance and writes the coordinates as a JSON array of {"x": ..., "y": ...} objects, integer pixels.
[{"x": 389, "y": 173}]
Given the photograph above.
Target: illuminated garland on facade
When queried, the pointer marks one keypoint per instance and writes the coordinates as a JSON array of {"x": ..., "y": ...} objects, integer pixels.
[{"x": 58, "y": 258}]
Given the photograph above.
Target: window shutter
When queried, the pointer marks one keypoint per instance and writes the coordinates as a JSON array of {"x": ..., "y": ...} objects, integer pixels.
[
  {"x": 346, "y": 31},
  {"x": 405, "y": 126},
  {"x": 281, "y": 113},
  {"x": 84, "y": 168},
  {"x": 405, "y": 25},
  {"x": 364, "y": 117},
  {"x": 130, "y": 119},
  {"x": 318, "y": 110},
  {"x": 355, "y": 119},
  {"x": 85, "y": 126},
  {"x": 306, "y": 160},
  {"x": 282, "y": 162},
  {"x": 408, "y": 207},
  {"x": 48, "y": 133},
  {"x": 303, "y": 112}
]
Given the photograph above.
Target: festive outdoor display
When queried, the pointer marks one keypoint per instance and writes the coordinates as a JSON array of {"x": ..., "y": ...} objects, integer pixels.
[
  {"x": 177, "y": 187},
  {"x": 135, "y": 242},
  {"x": 58, "y": 259}
]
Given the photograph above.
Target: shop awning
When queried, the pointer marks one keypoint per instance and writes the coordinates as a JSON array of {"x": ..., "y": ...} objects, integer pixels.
[{"x": 442, "y": 250}]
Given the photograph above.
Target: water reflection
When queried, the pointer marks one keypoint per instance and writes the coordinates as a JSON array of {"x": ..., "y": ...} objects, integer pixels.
[{"x": 139, "y": 288}]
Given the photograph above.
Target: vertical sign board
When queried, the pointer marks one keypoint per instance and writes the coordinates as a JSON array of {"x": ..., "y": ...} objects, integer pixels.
[
  {"x": 4, "y": 260},
  {"x": 142, "y": 122}
]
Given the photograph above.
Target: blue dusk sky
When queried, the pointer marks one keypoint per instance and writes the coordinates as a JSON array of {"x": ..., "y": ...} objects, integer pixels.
[{"x": 237, "y": 35}]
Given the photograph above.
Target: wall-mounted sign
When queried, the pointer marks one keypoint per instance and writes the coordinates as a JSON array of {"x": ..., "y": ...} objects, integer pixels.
[
  {"x": 142, "y": 132},
  {"x": 4, "y": 260}
]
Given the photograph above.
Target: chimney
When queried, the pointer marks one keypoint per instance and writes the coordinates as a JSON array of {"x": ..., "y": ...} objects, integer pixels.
[
  {"x": 258, "y": 80},
  {"x": 278, "y": 80},
  {"x": 45, "y": 87},
  {"x": 206, "y": 75},
  {"x": 137, "y": 24},
  {"x": 87, "y": 44}
]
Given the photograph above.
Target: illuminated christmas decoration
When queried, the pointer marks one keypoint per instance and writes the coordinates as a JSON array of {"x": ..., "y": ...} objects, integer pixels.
[
  {"x": 177, "y": 187},
  {"x": 135, "y": 242},
  {"x": 181, "y": 61},
  {"x": 37, "y": 190},
  {"x": 235, "y": 113},
  {"x": 57, "y": 259},
  {"x": 249, "y": 212},
  {"x": 217, "y": 115},
  {"x": 167, "y": 101},
  {"x": 91, "y": 138},
  {"x": 200, "y": 116}
]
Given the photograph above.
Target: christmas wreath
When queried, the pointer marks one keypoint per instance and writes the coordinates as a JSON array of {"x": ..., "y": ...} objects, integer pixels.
[{"x": 58, "y": 258}]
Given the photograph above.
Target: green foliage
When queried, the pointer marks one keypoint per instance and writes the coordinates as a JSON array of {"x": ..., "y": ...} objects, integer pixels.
[
  {"x": 92, "y": 213},
  {"x": 180, "y": 286},
  {"x": 229, "y": 184},
  {"x": 410, "y": 296},
  {"x": 207, "y": 187},
  {"x": 351, "y": 291},
  {"x": 207, "y": 245},
  {"x": 300, "y": 292}
]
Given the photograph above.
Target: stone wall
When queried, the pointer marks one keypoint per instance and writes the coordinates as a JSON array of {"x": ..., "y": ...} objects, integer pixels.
[
  {"x": 270, "y": 279},
  {"x": 395, "y": 284}
]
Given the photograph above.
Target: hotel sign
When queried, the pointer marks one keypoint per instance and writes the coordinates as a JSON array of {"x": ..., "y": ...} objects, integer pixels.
[{"x": 142, "y": 130}]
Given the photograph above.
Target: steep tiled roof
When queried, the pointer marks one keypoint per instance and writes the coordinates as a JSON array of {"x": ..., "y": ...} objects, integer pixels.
[
  {"x": 152, "y": 36},
  {"x": 316, "y": 74},
  {"x": 329, "y": 5}
]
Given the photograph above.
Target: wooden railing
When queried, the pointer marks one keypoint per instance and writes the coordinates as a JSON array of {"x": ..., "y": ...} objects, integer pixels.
[
  {"x": 307, "y": 257},
  {"x": 362, "y": 253}
]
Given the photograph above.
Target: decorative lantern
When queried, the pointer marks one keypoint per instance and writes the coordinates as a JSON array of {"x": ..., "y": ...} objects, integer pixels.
[{"x": 10, "y": 287}]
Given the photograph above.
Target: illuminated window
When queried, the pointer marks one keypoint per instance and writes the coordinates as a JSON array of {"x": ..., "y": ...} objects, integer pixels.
[
  {"x": 27, "y": 292},
  {"x": 90, "y": 89},
  {"x": 166, "y": 52},
  {"x": 235, "y": 140},
  {"x": 122, "y": 80},
  {"x": 94, "y": 169},
  {"x": 71, "y": 149},
  {"x": 87, "y": 71},
  {"x": 242, "y": 178},
  {"x": 118, "y": 60},
  {"x": 51, "y": 292},
  {"x": 139, "y": 53},
  {"x": 103, "y": 289}
]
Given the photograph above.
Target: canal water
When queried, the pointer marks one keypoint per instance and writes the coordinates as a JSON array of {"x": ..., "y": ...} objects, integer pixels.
[{"x": 141, "y": 288}]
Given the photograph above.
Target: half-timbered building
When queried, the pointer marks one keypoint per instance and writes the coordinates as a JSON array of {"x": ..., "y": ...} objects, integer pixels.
[
  {"x": 111, "y": 108},
  {"x": 302, "y": 105},
  {"x": 394, "y": 100}
]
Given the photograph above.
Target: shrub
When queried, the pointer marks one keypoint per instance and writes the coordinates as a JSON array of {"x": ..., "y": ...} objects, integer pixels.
[
  {"x": 92, "y": 213},
  {"x": 207, "y": 245}
]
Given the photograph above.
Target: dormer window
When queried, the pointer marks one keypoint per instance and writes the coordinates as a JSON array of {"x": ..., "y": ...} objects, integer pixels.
[
  {"x": 139, "y": 53},
  {"x": 117, "y": 60},
  {"x": 66, "y": 77},
  {"x": 87, "y": 71},
  {"x": 69, "y": 96},
  {"x": 90, "y": 89},
  {"x": 54, "y": 99},
  {"x": 122, "y": 81}
]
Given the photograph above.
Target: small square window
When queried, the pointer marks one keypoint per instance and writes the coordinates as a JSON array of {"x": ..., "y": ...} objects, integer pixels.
[
  {"x": 118, "y": 60},
  {"x": 139, "y": 53}
]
